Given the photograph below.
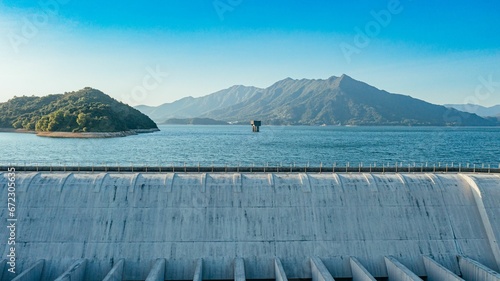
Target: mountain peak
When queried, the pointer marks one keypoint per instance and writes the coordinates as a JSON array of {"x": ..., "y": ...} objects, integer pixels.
[
  {"x": 241, "y": 87},
  {"x": 288, "y": 79},
  {"x": 283, "y": 82},
  {"x": 352, "y": 85},
  {"x": 345, "y": 77}
]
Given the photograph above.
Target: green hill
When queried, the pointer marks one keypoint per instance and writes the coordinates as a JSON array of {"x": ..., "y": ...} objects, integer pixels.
[{"x": 86, "y": 110}]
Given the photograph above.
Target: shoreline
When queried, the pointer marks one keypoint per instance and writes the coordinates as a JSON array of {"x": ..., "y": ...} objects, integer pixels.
[
  {"x": 83, "y": 135},
  {"x": 12, "y": 130}
]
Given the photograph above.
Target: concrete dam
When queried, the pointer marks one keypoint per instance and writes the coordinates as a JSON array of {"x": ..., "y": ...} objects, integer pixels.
[{"x": 238, "y": 226}]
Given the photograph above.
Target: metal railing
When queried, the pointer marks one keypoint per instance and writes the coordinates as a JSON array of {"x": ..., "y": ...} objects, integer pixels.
[{"x": 346, "y": 167}]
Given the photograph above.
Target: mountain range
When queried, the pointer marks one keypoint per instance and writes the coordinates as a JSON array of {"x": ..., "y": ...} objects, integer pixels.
[
  {"x": 190, "y": 107},
  {"x": 333, "y": 101},
  {"x": 477, "y": 109},
  {"x": 193, "y": 121}
]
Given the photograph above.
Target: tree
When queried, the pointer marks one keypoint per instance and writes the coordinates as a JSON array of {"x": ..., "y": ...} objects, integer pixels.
[
  {"x": 56, "y": 120},
  {"x": 81, "y": 120},
  {"x": 18, "y": 124}
]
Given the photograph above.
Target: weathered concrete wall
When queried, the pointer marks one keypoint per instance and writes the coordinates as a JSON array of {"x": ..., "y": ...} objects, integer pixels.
[{"x": 104, "y": 217}]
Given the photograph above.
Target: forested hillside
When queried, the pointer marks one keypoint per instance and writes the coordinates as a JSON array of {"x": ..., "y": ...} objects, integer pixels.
[{"x": 86, "y": 110}]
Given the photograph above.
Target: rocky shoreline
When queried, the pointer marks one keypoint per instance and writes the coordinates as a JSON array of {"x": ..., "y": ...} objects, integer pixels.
[{"x": 82, "y": 135}]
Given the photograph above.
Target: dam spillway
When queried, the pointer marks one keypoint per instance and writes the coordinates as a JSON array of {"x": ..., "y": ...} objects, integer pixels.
[{"x": 225, "y": 226}]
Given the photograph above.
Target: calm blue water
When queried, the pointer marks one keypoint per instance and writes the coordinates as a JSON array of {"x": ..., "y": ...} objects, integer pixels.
[{"x": 274, "y": 145}]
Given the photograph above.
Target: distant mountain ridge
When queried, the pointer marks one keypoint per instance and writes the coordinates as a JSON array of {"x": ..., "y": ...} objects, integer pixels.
[
  {"x": 483, "y": 111},
  {"x": 190, "y": 107},
  {"x": 193, "y": 121},
  {"x": 336, "y": 100}
]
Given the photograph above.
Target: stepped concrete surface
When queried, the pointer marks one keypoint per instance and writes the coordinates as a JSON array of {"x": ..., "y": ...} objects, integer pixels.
[{"x": 229, "y": 225}]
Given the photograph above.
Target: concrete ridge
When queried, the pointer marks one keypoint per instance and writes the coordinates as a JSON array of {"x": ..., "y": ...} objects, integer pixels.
[
  {"x": 476, "y": 191},
  {"x": 359, "y": 272},
  {"x": 437, "y": 272},
  {"x": 397, "y": 271},
  {"x": 473, "y": 270},
  {"x": 279, "y": 272},
  {"x": 198, "y": 271}
]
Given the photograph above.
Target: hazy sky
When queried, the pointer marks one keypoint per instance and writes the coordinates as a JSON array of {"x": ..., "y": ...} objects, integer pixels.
[{"x": 152, "y": 52}]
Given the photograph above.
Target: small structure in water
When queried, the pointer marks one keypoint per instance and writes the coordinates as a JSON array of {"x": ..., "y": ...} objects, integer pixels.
[{"x": 255, "y": 125}]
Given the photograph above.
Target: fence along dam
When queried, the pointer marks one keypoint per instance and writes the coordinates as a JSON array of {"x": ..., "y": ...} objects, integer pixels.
[{"x": 83, "y": 225}]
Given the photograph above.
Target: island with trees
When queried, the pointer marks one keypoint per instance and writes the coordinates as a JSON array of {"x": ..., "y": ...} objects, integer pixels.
[{"x": 86, "y": 113}]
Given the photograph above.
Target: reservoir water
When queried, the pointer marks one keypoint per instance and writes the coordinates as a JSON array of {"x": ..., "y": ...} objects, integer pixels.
[{"x": 274, "y": 145}]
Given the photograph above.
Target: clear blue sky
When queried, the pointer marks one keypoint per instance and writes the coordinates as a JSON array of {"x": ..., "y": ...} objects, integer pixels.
[{"x": 447, "y": 52}]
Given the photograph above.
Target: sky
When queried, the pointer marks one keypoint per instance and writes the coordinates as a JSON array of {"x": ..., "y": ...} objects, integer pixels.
[{"x": 153, "y": 52}]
